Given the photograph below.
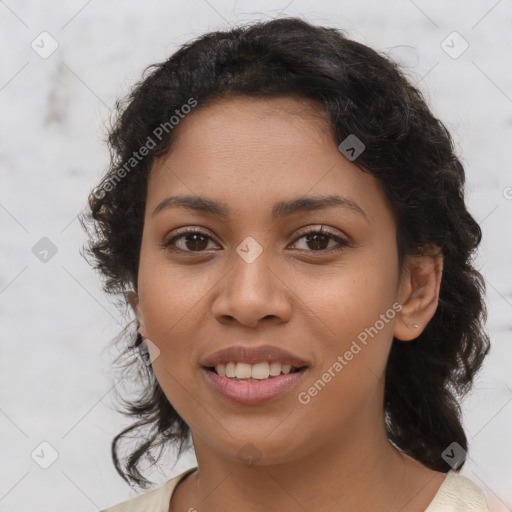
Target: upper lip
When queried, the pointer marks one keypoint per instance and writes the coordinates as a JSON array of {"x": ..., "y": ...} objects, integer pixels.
[{"x": 252, "y": 355}]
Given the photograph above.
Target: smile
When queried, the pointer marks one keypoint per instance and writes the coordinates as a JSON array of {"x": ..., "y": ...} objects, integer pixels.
[{"x": 253, "y": 390}]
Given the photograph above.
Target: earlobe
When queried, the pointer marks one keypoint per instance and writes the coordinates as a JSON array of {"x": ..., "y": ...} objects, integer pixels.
[{"x": 418, "y": 294}]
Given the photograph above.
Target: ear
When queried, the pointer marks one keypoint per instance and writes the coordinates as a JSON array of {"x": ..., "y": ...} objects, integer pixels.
[
  {"x": 418, "y": 293},
  {"x": 133, "y": 299}
]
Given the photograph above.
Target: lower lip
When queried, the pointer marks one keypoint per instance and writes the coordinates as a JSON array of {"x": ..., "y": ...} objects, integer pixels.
[{"x": 253, "y": 393}]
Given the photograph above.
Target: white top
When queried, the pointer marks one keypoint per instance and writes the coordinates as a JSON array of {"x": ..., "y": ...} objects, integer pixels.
[{"x": 456, "y": 494}]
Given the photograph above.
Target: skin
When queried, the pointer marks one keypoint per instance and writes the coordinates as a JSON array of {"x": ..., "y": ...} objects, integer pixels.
[{"x": 249, "y": 154}]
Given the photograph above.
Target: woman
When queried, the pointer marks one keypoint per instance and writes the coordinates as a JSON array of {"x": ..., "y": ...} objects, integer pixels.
[{"x": 286, "y": 218}]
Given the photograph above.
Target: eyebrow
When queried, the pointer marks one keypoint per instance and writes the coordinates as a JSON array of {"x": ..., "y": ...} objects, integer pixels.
[{"x": 279, "y": 210}]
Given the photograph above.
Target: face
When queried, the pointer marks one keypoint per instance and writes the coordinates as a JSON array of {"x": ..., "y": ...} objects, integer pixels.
[{"x": 266, "y": 276}]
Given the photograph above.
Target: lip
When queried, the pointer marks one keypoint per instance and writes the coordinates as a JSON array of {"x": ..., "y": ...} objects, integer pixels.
[
  {"x": 252, "y": 355},
  {"x": 253, "y": 393}
]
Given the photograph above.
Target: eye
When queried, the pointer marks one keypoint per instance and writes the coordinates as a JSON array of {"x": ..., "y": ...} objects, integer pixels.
[
  {"x": 196, "y": 240},
  {"x": 317, "y": 238}
]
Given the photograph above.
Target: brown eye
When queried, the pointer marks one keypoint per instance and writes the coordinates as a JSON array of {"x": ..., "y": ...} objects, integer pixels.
[
  {"x": 317, "y": 240},
  {"x": 191, "y": 241}
]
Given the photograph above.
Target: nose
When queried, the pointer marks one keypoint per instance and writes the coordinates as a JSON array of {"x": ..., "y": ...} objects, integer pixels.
[{"x": 251, "y": 292}]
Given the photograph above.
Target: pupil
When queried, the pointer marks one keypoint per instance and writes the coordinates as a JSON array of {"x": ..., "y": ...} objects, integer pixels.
[
  {"x": 314, "y": 238},
  {"x": 196, "y": 241}
]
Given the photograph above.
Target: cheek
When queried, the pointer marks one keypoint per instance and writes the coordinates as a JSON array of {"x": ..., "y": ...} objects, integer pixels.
[
  {"x": 352, "y": 362},
  {"x": 171, "y": 296},
  {"x": 353, "y": 296},
  {"x": 171, "y": 306},
  {"x": 359, "y": 307}
]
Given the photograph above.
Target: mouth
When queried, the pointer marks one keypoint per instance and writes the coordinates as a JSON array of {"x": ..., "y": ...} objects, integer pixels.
[
  {"x": 251, "y": 375},
  {"x": 237, "y": 387},
  {"x": 262, "y": 371}
]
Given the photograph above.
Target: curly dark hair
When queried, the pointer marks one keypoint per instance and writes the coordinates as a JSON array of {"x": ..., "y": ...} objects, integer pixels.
[{"x": 408, "y": 150}]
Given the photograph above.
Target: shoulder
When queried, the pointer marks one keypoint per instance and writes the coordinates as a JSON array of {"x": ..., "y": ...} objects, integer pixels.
[
  {"x": 458, "y": 494},
  {"x": 156, "y": 500}
]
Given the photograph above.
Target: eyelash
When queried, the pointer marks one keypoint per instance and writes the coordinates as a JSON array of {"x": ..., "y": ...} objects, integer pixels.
[{"x": 167, "y": 244}]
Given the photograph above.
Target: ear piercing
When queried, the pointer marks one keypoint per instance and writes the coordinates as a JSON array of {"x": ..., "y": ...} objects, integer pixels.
[{"x": 416, "y": 326}]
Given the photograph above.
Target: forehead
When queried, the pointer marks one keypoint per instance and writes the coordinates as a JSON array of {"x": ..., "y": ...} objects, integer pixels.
[
  {"x": 252, "y": 151},
  {"x": 254, "y": 126}
]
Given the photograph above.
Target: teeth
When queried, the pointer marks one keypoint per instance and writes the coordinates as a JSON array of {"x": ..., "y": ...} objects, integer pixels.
[
  {"x": 258, "y": 371},
  {"x": 275, "y": 368},
  {"x": 286, "y": 368},
  {"x": 243, "y": 371},
  {"x": 230, "y": 370}
]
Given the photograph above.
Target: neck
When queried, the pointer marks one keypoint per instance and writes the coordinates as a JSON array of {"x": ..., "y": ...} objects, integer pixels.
[{"x": 360, "y": 470}]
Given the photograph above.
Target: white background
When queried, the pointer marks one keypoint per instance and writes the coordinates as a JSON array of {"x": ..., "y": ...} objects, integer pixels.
[{"x": 56, "y": 324}]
